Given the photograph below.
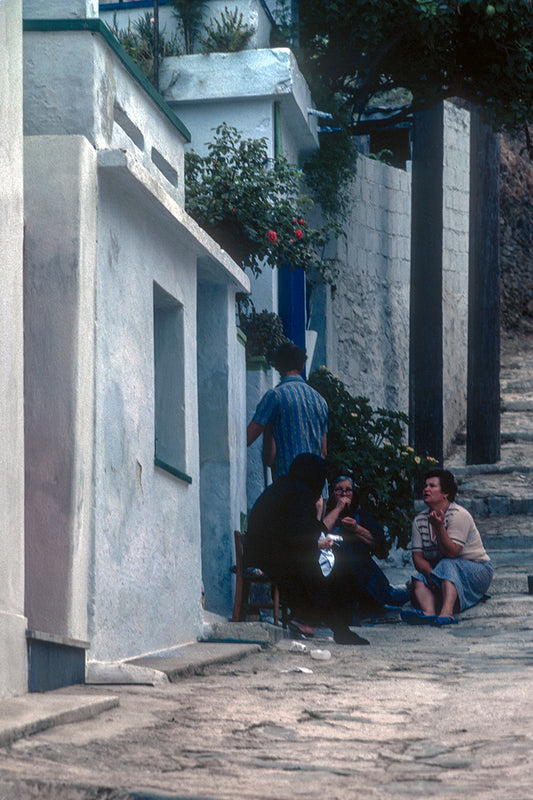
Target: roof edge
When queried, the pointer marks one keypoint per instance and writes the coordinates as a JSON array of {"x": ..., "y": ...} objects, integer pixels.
[{"x": 96, "y": 25}]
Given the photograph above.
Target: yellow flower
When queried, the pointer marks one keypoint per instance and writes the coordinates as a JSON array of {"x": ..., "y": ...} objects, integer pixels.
[{"x": 417, "y": 459}]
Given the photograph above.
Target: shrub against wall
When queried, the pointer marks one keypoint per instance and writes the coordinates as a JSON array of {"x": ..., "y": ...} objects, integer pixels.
[{"x": 369, "y": 445}]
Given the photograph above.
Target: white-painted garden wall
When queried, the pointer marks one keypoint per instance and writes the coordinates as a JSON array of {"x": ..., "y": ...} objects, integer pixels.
[
  {"x": 13, "y": 670},
  {"x": 364, "y": 333}
]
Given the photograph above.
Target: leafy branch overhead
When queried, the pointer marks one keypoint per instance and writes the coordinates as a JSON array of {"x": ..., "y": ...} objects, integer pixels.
[{"x": 357, "y": 51}]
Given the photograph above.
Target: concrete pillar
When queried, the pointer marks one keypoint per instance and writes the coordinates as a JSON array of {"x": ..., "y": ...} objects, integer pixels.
[
  {"x": 13, "y": 671},
  {"x": 60, "y": 181},
  {"x": 222, "y": 452}
]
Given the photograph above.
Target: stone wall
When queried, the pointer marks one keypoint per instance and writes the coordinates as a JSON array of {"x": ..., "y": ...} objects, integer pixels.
[
  {"x": 367, "y": 339},
  {"x": 363, "y": 319},
  {"x": 456, "y": 179}
]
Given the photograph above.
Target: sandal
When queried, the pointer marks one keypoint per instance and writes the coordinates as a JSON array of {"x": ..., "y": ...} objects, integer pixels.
[
  {"x": 414, "y": 616},
  {"x": 444, "y": 621}
]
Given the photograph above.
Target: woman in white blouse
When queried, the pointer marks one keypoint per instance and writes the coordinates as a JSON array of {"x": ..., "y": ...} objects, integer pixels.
[{"x": 453, "y": 568}]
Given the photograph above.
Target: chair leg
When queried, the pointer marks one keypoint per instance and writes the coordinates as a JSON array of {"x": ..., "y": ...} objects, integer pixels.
[
  {"x": 238, "y": 599},
  {"x": 275, "y": 602},
  {"x": 245, "y": 594}
]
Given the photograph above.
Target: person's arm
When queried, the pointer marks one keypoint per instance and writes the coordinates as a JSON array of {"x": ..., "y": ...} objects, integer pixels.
[
  {"x": 447, "y": 547},
  {"x": 269, "y": 447},
  {"x": 332, "y": 516},
  {"x": 377, "y": 542},
  {"x": 423, "y": 566},
  {"x": 253, "y": 431}
]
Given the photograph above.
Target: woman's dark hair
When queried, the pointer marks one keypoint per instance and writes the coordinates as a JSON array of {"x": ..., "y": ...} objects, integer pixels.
[
  {"x": 311, "y": 470},
  {"x": 448, "y": 484}
]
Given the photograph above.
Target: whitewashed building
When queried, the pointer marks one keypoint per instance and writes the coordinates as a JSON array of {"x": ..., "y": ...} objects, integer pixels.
[
  {"x": 135, "y": 450},
  {"x": 121, "y": 488}
]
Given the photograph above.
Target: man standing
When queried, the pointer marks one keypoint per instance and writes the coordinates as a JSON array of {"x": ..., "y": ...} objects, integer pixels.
[{"x": 293, "y": 416}]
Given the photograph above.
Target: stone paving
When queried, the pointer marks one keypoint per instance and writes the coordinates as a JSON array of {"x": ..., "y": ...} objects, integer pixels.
[{"x": 422, "y": 712}]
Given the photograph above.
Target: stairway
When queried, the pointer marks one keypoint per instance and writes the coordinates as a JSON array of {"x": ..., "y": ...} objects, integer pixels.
[{"x": 500, "y": 496}]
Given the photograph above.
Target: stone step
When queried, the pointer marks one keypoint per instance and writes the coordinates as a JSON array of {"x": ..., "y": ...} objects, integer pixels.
[
  {"x": 516, "y": 385},
  {"x": 483, "y": 501},
  {"x": 507, "y": 436},
  {"x": 517, "y": 404}
]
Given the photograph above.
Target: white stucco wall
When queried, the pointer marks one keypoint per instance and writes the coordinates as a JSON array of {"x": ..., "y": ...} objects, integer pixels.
[
  {"x": 456, "y": 179},
  {"x": 123, "y": 565},
  {"x": 13, "y": 670},
  {"x": 60, "y": 211},
  {"x": 75, "y": 84},
  {"x": 240, "y": 89},
  {"x": 147, "y": 548}
]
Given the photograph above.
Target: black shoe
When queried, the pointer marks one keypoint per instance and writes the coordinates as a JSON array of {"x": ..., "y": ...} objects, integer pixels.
[{"x": 346, "y": 636}]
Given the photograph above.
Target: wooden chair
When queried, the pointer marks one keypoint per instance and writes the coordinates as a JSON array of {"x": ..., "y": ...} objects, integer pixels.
[{"x": 244, "y": 578}]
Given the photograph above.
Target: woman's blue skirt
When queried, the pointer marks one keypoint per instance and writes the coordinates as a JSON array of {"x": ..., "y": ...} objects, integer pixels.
[{"x": 470, "y": 578}]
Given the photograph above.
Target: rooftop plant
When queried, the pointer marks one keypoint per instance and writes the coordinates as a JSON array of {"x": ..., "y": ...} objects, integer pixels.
[
  {"x": 138, "y": 40},
  {"x": 227, "y": 34},
  {"x": 189, "y": 14}
]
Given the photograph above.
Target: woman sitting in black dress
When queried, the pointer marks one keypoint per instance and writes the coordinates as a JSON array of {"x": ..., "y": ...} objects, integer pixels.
[{"x": 356, "y": 538}]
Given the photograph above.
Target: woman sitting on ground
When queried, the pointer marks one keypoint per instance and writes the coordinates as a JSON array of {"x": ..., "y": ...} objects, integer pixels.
[
  {"x": 454, "y": 570},
  {"x": 359, "y": 537}
]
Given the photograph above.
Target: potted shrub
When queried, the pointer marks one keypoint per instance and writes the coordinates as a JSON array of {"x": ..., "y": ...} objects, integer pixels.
[{"x": 253, "y": 206}]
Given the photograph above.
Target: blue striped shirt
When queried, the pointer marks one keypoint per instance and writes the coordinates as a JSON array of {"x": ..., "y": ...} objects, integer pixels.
[{"x": 299, "y": 417}]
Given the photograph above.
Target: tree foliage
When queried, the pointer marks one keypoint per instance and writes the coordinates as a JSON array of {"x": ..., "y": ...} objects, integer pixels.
[{"x": 426, "y": 51}]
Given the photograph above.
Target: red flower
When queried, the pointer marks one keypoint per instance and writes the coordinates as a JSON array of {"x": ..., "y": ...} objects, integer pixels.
[
  {"x": 298, "y": 233},
  {"x": 301, "y": 221},
  {"x": 272, "y": 236}
]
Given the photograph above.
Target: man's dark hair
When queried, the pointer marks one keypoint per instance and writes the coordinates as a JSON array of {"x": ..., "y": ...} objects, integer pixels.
[
  {"x": 448, "y": 484},
  {"x": 288, "y": 357}
]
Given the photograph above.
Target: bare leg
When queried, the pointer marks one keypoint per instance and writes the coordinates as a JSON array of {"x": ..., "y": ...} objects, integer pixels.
[
  {"x": 449, "y": 598},
  {"x": 425, "y": 597}
]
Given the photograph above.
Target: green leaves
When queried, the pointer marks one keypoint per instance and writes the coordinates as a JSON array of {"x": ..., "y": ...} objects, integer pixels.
[
  {"x": 369, "y": 444},
  {"x": 479, "y": 50},
  {"x": 242, "y": 197}
]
